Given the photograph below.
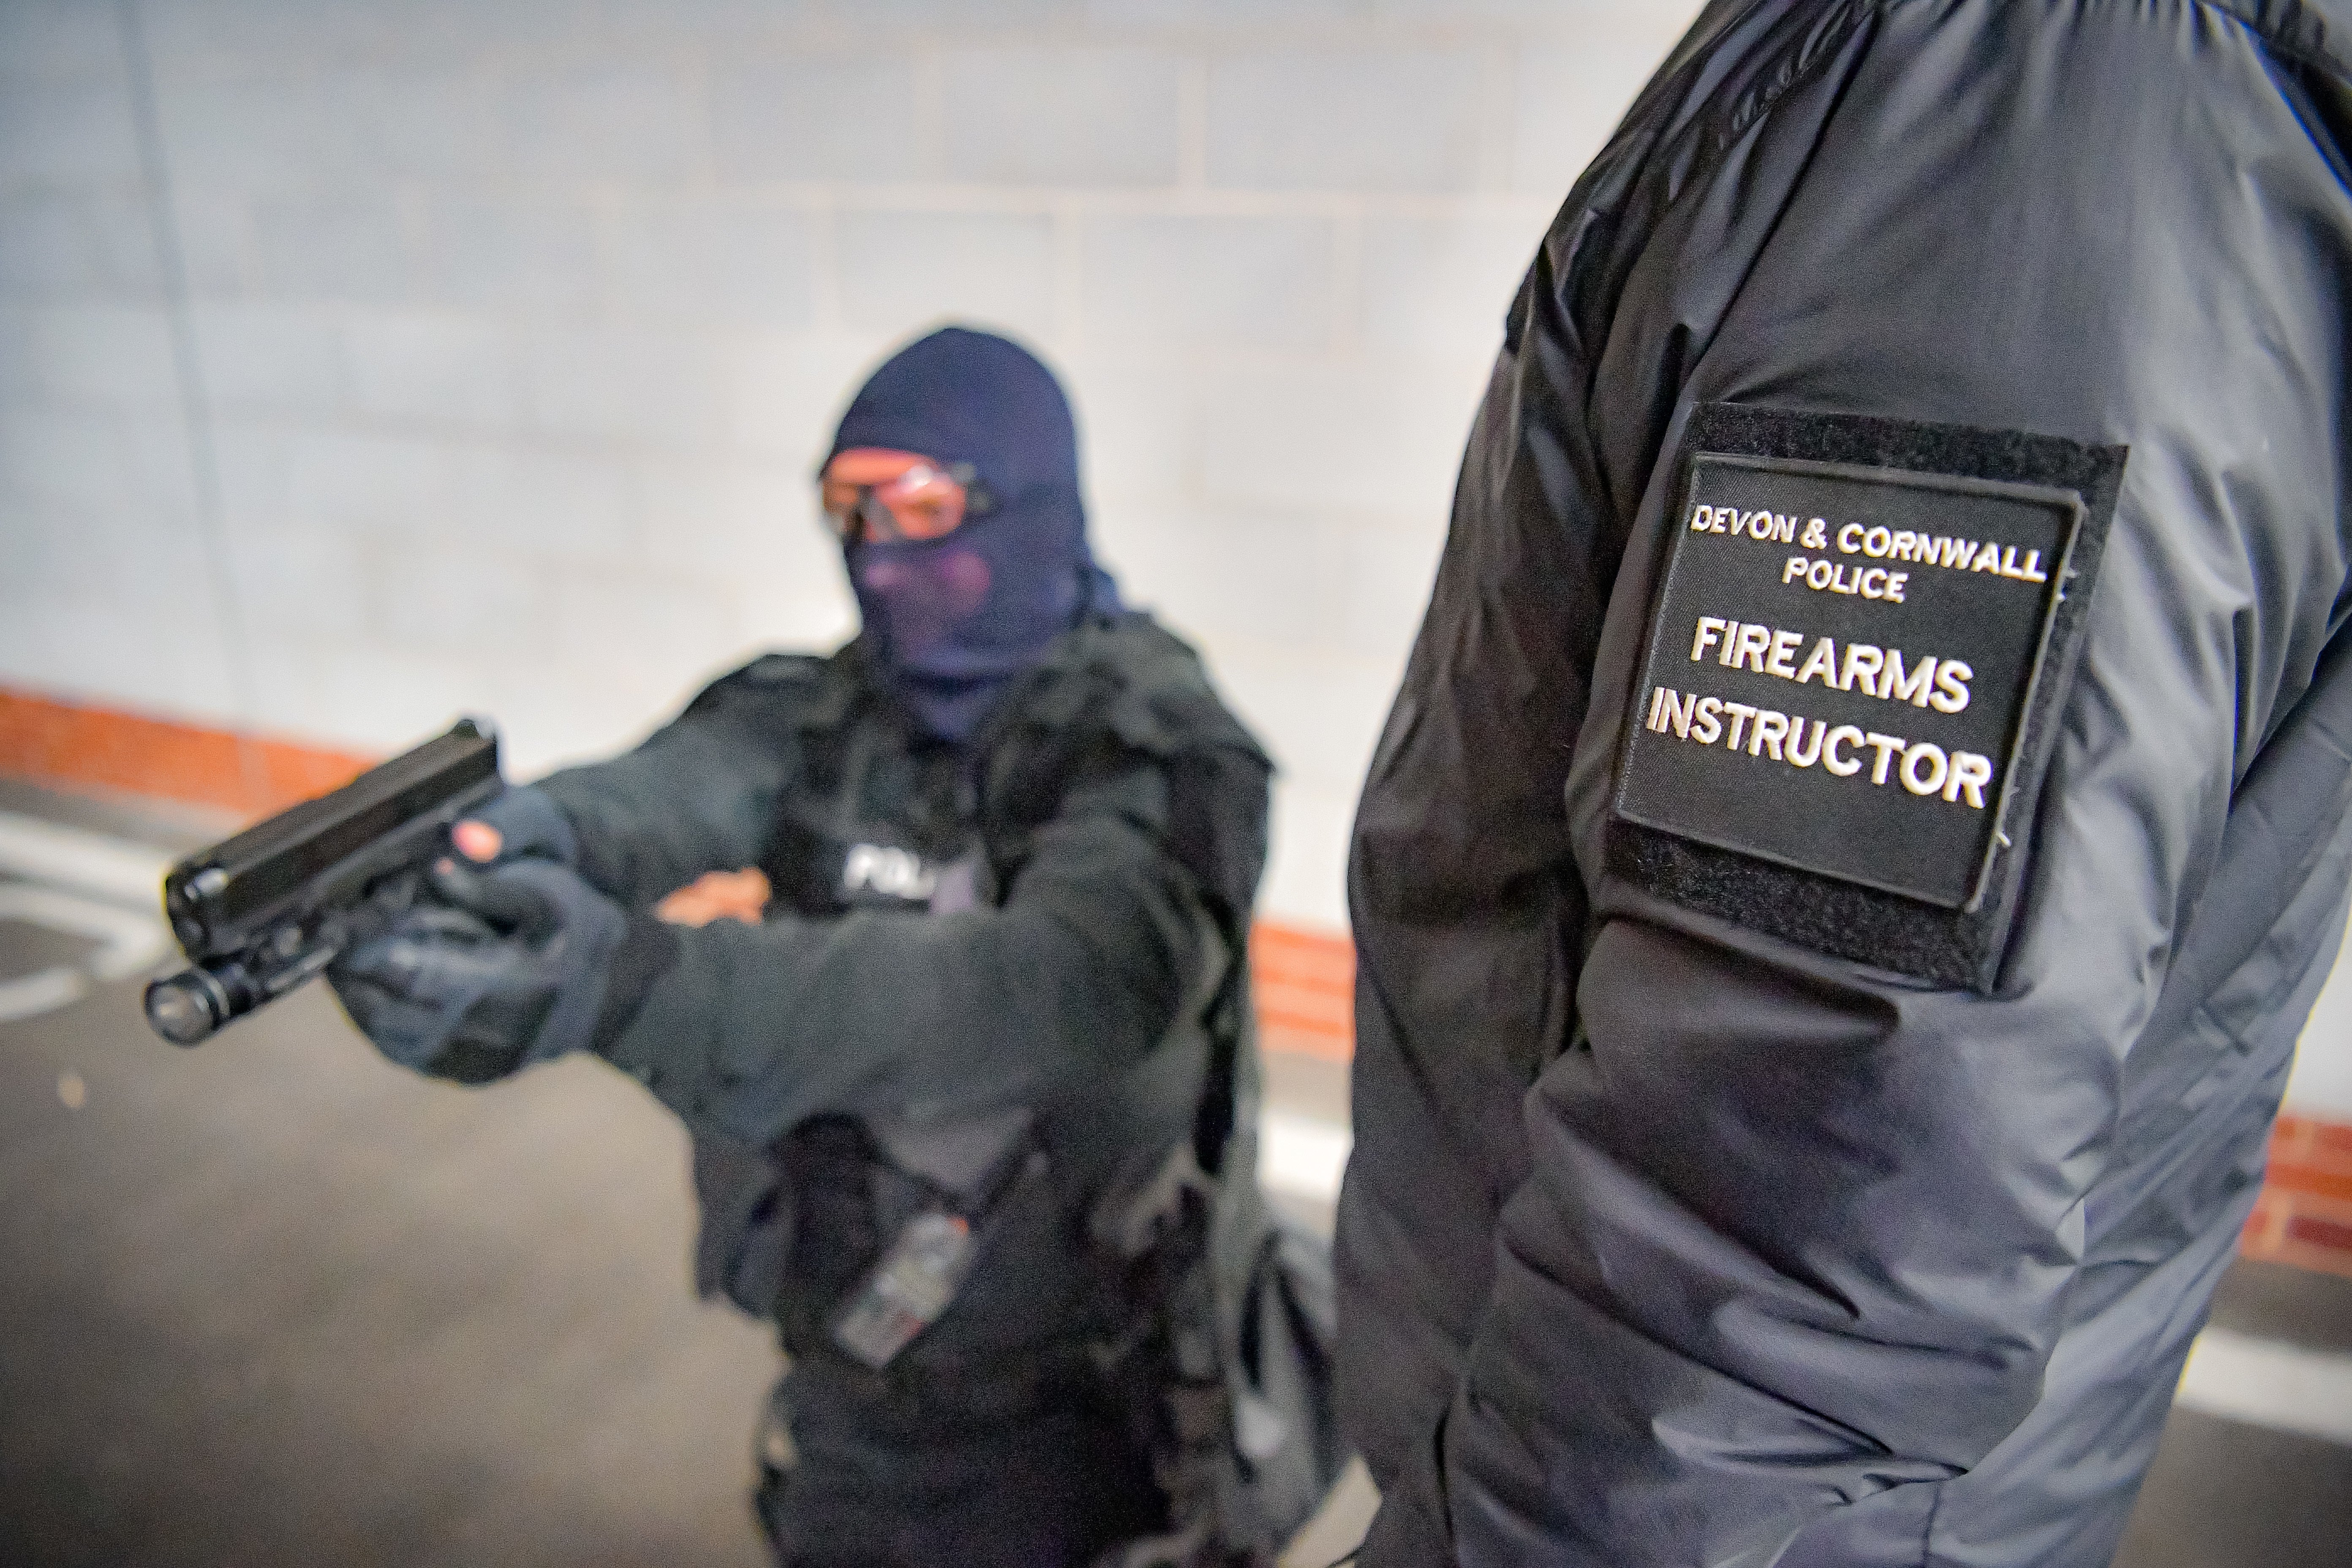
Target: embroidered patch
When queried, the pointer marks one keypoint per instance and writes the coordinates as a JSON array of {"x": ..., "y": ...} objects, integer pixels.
[{"x": 1851, "y": 667}]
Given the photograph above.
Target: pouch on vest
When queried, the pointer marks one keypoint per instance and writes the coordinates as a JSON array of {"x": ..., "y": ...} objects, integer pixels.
[{"x": 957, "y": 1174}]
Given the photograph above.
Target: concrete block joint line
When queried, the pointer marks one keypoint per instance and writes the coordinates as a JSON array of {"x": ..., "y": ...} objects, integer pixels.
[{"x": 196, "y": 411}]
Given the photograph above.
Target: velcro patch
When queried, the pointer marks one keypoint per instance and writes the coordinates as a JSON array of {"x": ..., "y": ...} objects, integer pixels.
[{"x": 1852, "y": 663}]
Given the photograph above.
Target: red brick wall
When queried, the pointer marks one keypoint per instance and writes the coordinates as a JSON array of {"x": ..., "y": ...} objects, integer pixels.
[
  {"x": 1305, "y": 988},
  {"x": 78, "y": 747},
  {"x": 2304, "y": 1215}
]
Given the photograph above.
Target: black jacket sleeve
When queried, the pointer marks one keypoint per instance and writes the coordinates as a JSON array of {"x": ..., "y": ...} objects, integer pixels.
[
  {"x": 700, "y": 794},
  {"x": 1054, "y": 992},
  {"x": 1780, "y": 1234}
]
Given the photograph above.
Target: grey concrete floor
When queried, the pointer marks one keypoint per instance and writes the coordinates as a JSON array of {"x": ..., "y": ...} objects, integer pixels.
[
  {"x": 2223, "y": 1493},
  {"x": 274, "y": 1302}
]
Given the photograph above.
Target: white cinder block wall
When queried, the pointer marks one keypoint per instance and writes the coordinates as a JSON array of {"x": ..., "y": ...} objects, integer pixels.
[
  {"x": 513, "y": 330},
  {"x": 362, "y": 361}
]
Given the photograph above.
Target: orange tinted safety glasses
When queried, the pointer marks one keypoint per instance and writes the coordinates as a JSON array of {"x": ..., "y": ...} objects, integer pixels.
[{"x": 885, "y": 497}]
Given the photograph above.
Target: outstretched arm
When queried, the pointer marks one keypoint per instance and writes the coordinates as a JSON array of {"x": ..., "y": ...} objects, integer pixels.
[
  {"x": 699, "y": 795},
  {"x": 1069, "y": 981}
]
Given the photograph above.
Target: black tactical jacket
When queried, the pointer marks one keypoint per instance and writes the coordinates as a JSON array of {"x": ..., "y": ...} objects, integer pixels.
[
  {"x": 1007, "y": 981},
  {"x": 1676, "y": 1232}
]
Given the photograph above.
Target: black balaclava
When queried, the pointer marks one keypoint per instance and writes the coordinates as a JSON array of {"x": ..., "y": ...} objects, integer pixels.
[{"x": 953, "y": 620}]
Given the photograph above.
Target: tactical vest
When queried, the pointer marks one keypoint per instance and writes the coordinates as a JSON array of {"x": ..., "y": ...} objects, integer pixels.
[{"x": 1130, "y": 1230}]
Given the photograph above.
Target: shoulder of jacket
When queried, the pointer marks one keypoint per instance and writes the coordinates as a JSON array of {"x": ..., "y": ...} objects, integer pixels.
[
  {"x": 1149, "y": 687},
  {"x": 804, "y": 691},
  {"x": 1120, "y": 698},
  {"x": 2316, "y": 32}
]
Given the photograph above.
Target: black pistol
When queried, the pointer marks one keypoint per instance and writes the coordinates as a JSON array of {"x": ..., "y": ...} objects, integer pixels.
[{"x": 260, "y": 913}]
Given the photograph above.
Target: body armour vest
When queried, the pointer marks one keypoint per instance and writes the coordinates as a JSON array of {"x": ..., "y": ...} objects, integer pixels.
[{"x": 979, "y": 1254}]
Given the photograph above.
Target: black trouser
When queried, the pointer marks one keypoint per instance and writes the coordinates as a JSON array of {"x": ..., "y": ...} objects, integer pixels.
[{"x": 1031, "y": 1469}]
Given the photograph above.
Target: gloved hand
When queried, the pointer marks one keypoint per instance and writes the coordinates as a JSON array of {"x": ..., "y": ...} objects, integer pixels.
[
  {"x": 523, "y": 822},
  {"x": 474, "y": 975}
]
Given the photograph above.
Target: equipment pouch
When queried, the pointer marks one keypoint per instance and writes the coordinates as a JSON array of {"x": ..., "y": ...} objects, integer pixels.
[
  {"x": 959, "y": 1174},
  {"x": 908, "y": 1288}
]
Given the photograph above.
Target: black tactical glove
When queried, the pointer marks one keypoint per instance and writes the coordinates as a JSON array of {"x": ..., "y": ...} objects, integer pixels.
[
  {"x": 529, "y": 825},
  {"x": 474, "y": 975}
]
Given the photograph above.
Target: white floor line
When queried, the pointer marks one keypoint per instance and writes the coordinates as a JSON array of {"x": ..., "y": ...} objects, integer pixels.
[
  {"x": 2266, "y": 1383},
  {"x": 127, "y": 942},
  {"x": 43, "y": 991},
  {"x": 105, "y": 890},
  {"x": 88, "y": 862},
  {"x": 1301, "y": 1156}
]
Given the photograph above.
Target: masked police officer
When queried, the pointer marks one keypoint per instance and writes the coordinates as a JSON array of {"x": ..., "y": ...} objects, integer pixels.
[
  {"x": 1865, "y": 818},
  {"x": 937, "y": 945}
]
